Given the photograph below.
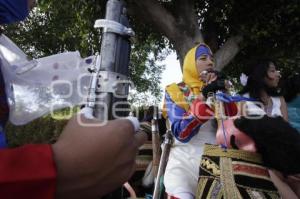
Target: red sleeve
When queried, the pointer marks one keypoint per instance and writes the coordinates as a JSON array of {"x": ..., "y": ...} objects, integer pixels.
[
  {"x": 27, "y": 172},
  {"x": 201, "y": 110}
]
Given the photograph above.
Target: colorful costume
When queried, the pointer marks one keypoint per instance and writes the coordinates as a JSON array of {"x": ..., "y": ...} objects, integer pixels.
[
  {"x": 192, "y": 126},
  {"x": 239, "y": 172},
  {"x": 4, "y": 110},
  {"x": 233, "y": 174},
  {"x": 189, "y": 131}
]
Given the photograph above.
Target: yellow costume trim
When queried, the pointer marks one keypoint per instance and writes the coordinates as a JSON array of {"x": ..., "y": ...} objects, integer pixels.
[
  {"x": 211, "y": 166},
  {"x": 177, "y": 96},
  {"x": 190, "y": 73},
  {"x": 227, "y": 179}
]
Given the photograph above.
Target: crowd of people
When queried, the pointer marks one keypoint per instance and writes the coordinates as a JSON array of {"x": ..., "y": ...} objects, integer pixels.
[
  {"x": 232, "y": 147},
  {"x": 242, "y": 147}
]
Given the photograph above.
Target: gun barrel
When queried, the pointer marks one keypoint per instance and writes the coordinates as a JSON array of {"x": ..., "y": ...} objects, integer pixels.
[{"x": 115, "y": 53}]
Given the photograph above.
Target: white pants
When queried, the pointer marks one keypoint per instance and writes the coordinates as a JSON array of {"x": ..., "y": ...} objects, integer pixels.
[{"x": 182, "y": 171}]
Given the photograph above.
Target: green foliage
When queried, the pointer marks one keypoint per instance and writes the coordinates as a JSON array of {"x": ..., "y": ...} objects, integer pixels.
[
  {"x": 57, "y": 26},
  {"x": 269, "y": 28},
  {"x": 145, "y": 71},
  {"x": 41, "y": 130}
]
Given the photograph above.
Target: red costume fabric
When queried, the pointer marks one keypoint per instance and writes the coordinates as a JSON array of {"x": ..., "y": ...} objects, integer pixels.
[{"x": 27, "y": 172}]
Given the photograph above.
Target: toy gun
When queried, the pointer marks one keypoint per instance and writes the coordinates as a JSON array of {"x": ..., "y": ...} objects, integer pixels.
[
  {"x": 107, "y": 98},
  {"x": 109, "y": 85}
]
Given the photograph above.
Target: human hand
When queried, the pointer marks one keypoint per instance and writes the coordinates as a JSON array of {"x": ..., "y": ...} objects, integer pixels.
[
  {"x": 92, "y": 161},
  {"x": 214, "y": 81},
  {"x": 208, "y": 76},
  {"x": 213, "y": 87}
]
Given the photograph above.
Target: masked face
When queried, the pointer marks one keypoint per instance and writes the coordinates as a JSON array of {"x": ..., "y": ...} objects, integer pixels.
[
  {"x": 13, "y": 10},
  {"x": 204, "y": 62},
  {"x": 204, "y": 59}
]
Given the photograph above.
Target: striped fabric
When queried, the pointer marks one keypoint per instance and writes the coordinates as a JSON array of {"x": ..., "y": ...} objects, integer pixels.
[{"x": 233, "y": 174}]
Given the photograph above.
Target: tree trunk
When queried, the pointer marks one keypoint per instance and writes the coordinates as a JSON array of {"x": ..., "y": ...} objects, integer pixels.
[
  {"x": 182, "y": 30},
  {"x": 227, "y": 52}
]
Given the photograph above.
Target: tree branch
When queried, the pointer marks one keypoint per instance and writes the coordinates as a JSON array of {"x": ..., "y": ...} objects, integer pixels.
[
  {"x": 187, "y": 19},
  {"x": 227, "y": 52},
  {"x": 153, "y": 12},
  {"x": 181, "y": 28}
]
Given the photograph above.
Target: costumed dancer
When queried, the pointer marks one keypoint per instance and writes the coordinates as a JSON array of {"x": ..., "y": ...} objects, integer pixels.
[{"x": 192, "y": 122}]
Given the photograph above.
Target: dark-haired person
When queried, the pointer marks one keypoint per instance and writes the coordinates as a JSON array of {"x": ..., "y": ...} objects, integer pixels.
[
  {"x": 262, "y": 85},
  {"x": 85, "y": 162},
  {"x": 234, "y": 168}
]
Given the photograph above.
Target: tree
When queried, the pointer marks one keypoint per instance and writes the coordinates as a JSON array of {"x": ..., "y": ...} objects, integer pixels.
[
  {"x": 230, "y": 27},
  {"x": 236, "y": 31},
  {"x": 57, "y": 26}
]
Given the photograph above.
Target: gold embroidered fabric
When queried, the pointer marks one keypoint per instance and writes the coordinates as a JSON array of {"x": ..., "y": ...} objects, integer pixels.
[
  {"x": 233, "y": 174},
  {"x": 213, "y": 150}
]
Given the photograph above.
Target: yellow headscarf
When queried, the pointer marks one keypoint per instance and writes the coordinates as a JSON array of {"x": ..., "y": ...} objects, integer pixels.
[{"x": 190, "y": 78}]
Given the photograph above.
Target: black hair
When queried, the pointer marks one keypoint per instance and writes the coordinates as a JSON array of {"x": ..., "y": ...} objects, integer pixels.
[
  {"x": 256, "y": 72},
  {"x": 291, "y": 87},
  {"x": 148, "y": 116}
]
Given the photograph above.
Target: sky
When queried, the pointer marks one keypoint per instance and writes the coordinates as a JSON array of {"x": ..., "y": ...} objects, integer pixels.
[{"x": 172, "y": 72}]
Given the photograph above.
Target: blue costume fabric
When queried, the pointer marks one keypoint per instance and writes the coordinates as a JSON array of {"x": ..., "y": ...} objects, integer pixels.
[
  {"x": 180, "y": 97},
  {"x": 28, "y": 171},
  {"x": 294, "y": 113},
  {"x": 184, "y": 125},
  {"x": 10, "y": 11},
  {"x": 4, "y": 110},
  {"x": 13, "y": 10}
]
